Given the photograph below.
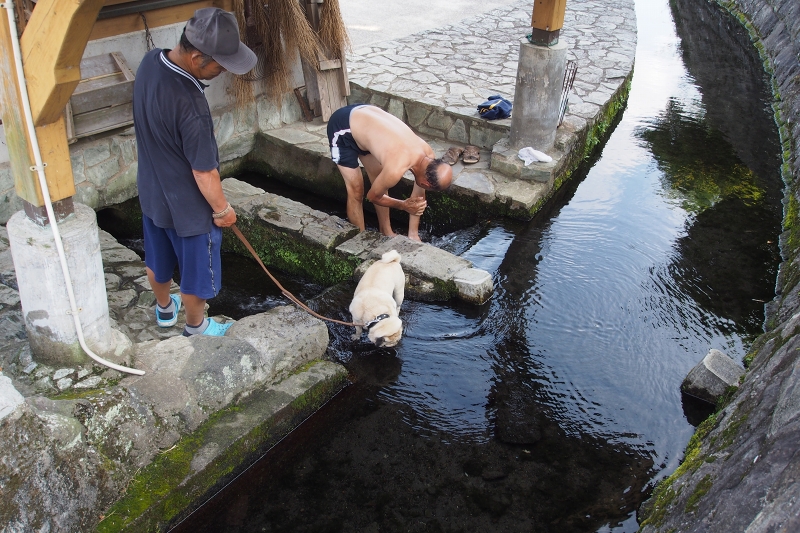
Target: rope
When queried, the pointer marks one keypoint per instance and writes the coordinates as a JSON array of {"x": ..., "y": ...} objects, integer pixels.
[{"x": 286, "y": 293}]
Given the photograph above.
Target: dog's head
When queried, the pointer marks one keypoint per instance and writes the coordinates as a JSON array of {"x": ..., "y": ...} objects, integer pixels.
[{"x": 386, "y": 333}]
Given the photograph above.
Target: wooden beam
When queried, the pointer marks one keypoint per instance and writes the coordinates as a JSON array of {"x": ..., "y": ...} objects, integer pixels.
[
  {"x": 19, "y": 148},
  {"x": 548, "y": 15},
  {"x": 52, "y": 47},
  {"x": 55, "y": 152},
  {"x": 155, "y": 18}
]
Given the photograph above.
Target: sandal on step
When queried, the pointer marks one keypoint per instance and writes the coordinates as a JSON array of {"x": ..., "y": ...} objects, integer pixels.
[
  {"x": 472, "y": 154},
  {"x": 451, "y": 156}
]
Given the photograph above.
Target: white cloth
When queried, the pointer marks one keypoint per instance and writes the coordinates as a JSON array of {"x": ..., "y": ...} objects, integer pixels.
[{"x": 529, "y": 155}]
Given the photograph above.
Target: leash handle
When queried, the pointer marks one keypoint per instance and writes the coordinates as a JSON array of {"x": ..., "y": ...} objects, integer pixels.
[{"x": 286, "y": 293}]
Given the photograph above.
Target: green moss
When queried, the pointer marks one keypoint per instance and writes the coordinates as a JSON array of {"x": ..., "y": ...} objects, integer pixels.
[
  {"x": 160, "y": 493},
  {"x": 291, "y": 254},
  {"x": 726, "y": 397},
  {"x": 732, "y": 430},
  {"x": 703, "y": 486},
  {"x": 653, "y": 514}
]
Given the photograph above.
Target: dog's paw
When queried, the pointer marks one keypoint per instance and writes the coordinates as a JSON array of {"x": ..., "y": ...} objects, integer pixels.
[{"x": 355, "y": 337}]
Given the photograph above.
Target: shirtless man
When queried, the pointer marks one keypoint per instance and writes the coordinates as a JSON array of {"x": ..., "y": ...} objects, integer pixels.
[{"x": 387, "y": 148}]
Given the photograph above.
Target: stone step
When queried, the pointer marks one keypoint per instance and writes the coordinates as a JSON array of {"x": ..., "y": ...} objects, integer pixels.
[
  {"x": 297, "y": 239},
  {"x": 299, "y": 155}
]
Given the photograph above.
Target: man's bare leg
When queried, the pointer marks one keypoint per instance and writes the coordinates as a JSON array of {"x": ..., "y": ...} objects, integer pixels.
[
  {"x": 373, "y": 168},
  {"x": 195, "y": 309},
  {"x": 413, "y": 220},
  {"x": 161, "y": 290},
  {"x": 354, "y": 182}
]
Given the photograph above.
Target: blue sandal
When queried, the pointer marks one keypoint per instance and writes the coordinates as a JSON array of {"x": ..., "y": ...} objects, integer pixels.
[{"x": 165, "y": 321}]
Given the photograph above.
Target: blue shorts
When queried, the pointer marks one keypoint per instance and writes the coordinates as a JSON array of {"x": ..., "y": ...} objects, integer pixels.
[
  {"x": 344, "y": 149},
  {"x": 197, "y": 258}
]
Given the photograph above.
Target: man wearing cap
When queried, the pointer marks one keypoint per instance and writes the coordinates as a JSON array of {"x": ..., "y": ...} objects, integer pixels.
[{"x": 183, "y": 206}]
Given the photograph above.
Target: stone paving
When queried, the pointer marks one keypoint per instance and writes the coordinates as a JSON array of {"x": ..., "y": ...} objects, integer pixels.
[
  {"x": 435, "y": 79},
  {"x": 458, "y": 66}
]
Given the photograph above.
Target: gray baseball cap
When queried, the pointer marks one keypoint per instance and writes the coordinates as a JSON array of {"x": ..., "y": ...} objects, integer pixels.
[{"x": 215, "y": 32}]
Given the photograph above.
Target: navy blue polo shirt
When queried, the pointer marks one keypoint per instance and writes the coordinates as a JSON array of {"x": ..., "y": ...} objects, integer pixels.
[{"x": 174, "y": 134}]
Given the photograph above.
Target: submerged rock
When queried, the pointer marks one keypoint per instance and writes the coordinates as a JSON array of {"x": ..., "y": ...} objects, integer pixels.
[{"x": 711, "y": 377}]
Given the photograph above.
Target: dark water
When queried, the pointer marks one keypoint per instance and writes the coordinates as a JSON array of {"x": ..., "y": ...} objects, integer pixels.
[{"x": 556, "y": 405}]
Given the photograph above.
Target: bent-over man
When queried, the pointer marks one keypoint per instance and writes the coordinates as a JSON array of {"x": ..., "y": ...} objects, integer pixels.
[
  {"x": 183, "y": 206},
  {"x": 387, "y": 148}
]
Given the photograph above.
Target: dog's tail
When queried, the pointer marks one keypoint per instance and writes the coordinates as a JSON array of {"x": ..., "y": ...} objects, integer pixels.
[{"x": 391, "y": 256}]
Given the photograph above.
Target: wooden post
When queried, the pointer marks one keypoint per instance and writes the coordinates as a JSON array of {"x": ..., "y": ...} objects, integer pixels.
[
  {"x": 51, "y": 47},
  {"x": 327, "y": 88},
  {"x": 547, "y": 21}
]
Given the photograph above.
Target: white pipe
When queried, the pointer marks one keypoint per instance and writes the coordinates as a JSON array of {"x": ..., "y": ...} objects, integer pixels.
[{"x": 39, "y": 168}]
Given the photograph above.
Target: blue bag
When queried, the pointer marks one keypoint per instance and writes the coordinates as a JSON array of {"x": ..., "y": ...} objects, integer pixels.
[{"x": 496, "y": 107}]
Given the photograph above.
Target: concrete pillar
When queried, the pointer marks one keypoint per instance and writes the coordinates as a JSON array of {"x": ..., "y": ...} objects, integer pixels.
[
  {"x": 43, "y": 294},
  {"x": 537, "y": 97}
]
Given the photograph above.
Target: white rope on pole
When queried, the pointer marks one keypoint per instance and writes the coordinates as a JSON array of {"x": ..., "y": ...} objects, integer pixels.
[{"x": 39, "y": 169}]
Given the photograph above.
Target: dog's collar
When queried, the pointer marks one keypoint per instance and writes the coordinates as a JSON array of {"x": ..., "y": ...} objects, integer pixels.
[{"x": 375, "y": 321}]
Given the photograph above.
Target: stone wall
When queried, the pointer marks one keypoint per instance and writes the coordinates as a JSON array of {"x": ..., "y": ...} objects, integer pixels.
[
  {"x": 741, "y": 467},
  {"x": 104, "y": 166}
]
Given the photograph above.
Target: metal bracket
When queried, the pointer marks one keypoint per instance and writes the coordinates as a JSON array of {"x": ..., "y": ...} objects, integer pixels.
[{"x": 36, "y": 168}]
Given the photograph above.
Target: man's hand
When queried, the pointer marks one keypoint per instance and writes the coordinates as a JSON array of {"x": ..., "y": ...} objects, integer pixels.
[
  {"x": 415, "y": 205},
  {"x": 228, "y": 220}
]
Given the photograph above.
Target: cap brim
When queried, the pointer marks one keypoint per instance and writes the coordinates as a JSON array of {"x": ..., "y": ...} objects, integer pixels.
[{"x": 239, "y": 63}]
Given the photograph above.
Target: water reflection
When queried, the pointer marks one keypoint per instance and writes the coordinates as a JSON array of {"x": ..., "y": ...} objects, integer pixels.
[{"x": 552, "y": 407}]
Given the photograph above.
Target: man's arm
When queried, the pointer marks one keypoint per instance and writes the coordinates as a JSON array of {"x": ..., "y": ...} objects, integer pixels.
[
  {"x": 377, "y": 195},
  {"x": 210, "y": 186}
]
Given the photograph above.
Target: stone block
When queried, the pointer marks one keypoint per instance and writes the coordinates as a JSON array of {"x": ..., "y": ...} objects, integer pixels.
[
  {"x": 236, "y": 147},
  {"x": 474, "y": 184},
  {"x": 290, "y": 109},
  {"x": 416, "y": 113},
  {"x": 269, "y": 115},
  {"x": 712, "y": 376},
  {"x": 440, "y": 121},
  {"x": 100, "y": 174},
  {"x": 122, "y": 187},
  {"x": 380, "y": 100},
  {"x": 458, "y": 132},
  {"x": 96, "y": 154},
  {"x": 246, "y": 117},
  {"x": 10, "y": 398},
  {"x": 224, "y": 129},
  {"x": 396, "y": 108},
  {"x": 474, "y": 285},
  {"x": 86, "y": 193},
  {"x": 484, "y": 137},
  {"x": 358, "y": 95},
  {"x": 77, "y": 161}
]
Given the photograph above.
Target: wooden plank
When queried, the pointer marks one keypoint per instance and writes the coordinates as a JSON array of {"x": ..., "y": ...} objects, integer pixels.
[
  {"x": 70, "y": 128},
  {"x": 123, "y": 66},
  {"x": 548, "y": 15},
  {"x": 104, "y": 119},
  {"x": 155, "y": 18},
  {"x": 17, "y": 143},
  {"x": 52, "y": 47},
  {"x": 92, "y": 67},
  {"x": 330, "y": 64},
  {"x": 102, "y": 97},
  {"x": 55, "y": 152},
  {"x": 312, "y": 88},
  {"x": 324, "y": 96},
  {"x": 99, "y": 82},
  {"x": 343, "y": 78}
]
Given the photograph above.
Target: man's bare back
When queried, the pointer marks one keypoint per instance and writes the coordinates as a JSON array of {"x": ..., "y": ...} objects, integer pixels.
[{"x": 387, "y": 148}]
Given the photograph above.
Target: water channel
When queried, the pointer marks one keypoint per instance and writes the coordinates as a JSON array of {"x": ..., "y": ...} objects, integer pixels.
[{"x": 556, "y": 405}]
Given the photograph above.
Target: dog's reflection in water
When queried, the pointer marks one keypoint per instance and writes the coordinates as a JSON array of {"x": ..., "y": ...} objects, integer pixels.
[{"x": 377, "y": 299}]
